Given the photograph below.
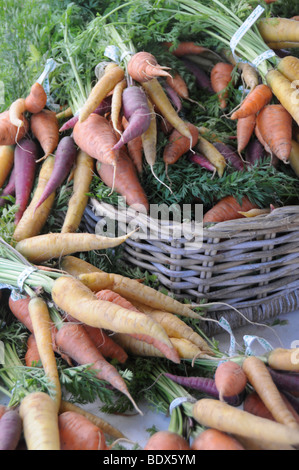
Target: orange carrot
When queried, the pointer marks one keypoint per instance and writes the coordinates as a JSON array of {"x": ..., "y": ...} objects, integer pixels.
[
  {"x": 212, "y": 439},
  {"x": 78, "y": 433},
  {"x": 179, "y": 145},
  {"x": 255, "y": 405},
  {"x": 73, "y": 340},
  {"x": 221, "y": 76},
  {"x": 106, "y": 345},
  {"x": 275, "y": 126},
  {"x": 126, "y": 183},
  {"x": 228, "y": 208},
  {"x": 37, "y": 99},
  {"x": 259, "y": 97},
  {"x": 260, "y": 378},
  {"x": 143, "y": 66},
  {"x": 179, "y": 85},
  {"x": 230, "y": 379},
  {"x": 45, "y": 127},
  {"x": 185, "y": 48},
  {"x": 96, "y": 137},
  {"x": 135, "y": 149},
  {"x": 32, "y": 355},
  {"x": 245, "y": 129},
  {"x": 10, "y": 134},
  {"x": 166, "y": 440},
  {"x": 117, "y": 299}
]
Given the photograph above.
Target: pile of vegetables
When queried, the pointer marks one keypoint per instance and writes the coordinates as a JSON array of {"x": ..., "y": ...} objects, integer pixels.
[{"x": 156, "y": 115}]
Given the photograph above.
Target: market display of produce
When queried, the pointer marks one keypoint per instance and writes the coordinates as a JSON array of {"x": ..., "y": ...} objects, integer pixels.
[{"x": 124, "y": 107}]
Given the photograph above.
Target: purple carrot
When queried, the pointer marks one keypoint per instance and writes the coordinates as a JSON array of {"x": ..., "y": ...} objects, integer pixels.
[
  {"x": 202, "y": 161},
  {"x": 65, "y": 157},
  {"x": 174, "y": 97},
  {"x": 282, "y": 53},
  {"x": 294, "y": 401},
  {"x": 205, "y": 385},
  {"x": 230, "y": 155},
  {"x": 102, "y": 109},
  {"x": 26, "y": 153},
  {"x": 288, "y": 381},
  {"x": 136, "y": 112},
  {"x": 255, "y": 152},
  {"x": 201, "y": 77},
  {"x": 10, "y": 430},
  {"x": 9, "y": 189}
]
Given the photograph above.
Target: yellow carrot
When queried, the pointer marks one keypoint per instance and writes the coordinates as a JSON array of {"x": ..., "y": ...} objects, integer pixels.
[
  {"x": 40, "y": 422},
  {"x": 74, "y": 298},
  {"x": 76, "y": 266},
  {"x": 285, "y": 92},
  {"x": 279, "y": 29},
  {"x": 134, "y": 291},
  {"x": 289, "y": 67},
  {"x": 212, "y": 154},
  {"x": 284, "y": 359},
  {"x": 55, "y": 245},
  {"x": 116, "y": 104},
  {"x": 157, "y": 95},
  {"x": 6, "y": 162},
  {"x": 16, "y": 111},
  {"x": 33, "y": 220},
  {"x": 219, "y": 415},
  {"x": 41, "y": 323},
  {"x": 83, "y": 175},
  {"x": 107, "y": 82},
  {"x": 283, "y": 45}
]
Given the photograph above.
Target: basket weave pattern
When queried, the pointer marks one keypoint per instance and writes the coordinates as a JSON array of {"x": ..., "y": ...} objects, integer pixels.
[{"x": 250, "y": 264}]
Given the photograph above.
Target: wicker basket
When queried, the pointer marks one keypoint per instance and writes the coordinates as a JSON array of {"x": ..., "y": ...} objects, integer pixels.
[{"x": 249, "y": 264}]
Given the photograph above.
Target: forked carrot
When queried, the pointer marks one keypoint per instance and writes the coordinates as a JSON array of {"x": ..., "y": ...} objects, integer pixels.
[
  {"x": 260, "y": 378},
  {"x": 143, "y": 66}
]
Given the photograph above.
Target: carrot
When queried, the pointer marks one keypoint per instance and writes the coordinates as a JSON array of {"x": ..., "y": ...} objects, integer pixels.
[
  {"x": 6, "y": 162},
  {"x": 10, "y": 134},
  {"x": 73, "y": 340},
  {"x": 106, "y": 344},
  {"x": 32, "y": 356},
  {"x": 254, "y": 404},
  {"x": 178, "y": 145},
  {"x": 32, "y": 221},
  {"x": 124, "y": 180},
  {"x": 78, "y": 433},
  {"x": 260, "y": 378},
  {"x": 284, "y": 92},
  {"x": 106, "y": 427},
  {"x": 102, "y": 109},
  {"x": 10, "y": 430},
  {"x": 65, "y": 157},
  {"x": 83, "y": 175},
  {"x": 228, "y": 208},
  {"x": 186, "y": 349},
  {"x": 294, "y": 157},
  {"x": 40, "y": 422},
  {"x": 185, "y": 48},
  {"x": 45, "y": 128},
  {"x": 226, "y": 418},
  {"x": 221, "y": 76},
  {"x": 230, "y": 155},
  {"x": 230, "y": 379},
  {"x": 41, "y": 322},
  {"x": 135, "y": 149},
  {"x": 166, "y": 440},
  {"x": 95, "y": 136},
  {"x": 249, "y": 75},
  {"x": 116, "y": 104},
  {"x": 3, "y": 409},
  {"x": 25, "y": 169},
  {"x": 143, "y": 66},
  {"x": 284, "y": 359},
  {"x": 212, "y": 154},
  {"x": 37, "y": 99},
  {"x": 245, "y": 129},
  {"x": 175, "y": 327},
  {"x": 9, "y": 189},
  {"x": 259, "y": 97},
  {"x": 16, "y": 111},
  {"x": 212, "y": 439},
  {"x": 282, "y": 45},
  {"x": 179, "y": 85},
  {"x": 76, "y": 266},
  {"x": 275, "y": 126},
  {"x": 86, "y": 308},
  {"x": 134, "y": 291},
  {"x": 67, "y": 113},
  {"x": 41, "y": 248},
  {"x": 289, "y": 67},
  {"x": 157, "y": 95},
  {"x": 113, "y": 75},
  {"x": 117, "y": 299},
  {"x": 19, "y": 308},
  {"x": 278, "y": 29}
]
